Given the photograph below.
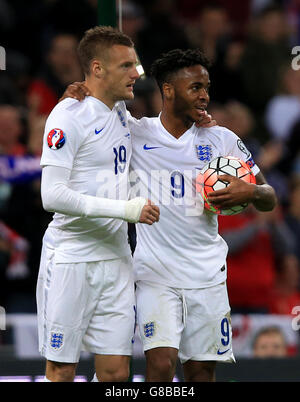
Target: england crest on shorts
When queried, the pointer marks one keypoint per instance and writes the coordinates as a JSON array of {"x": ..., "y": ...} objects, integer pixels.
[
  {"x": 56, "y": 340},
  {"x": 149, "y": 329},
  {"x": 204, "y": 152}
]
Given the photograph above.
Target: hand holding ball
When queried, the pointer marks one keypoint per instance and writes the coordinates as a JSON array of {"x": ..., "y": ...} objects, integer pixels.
[{"x": 209, "y": 180}]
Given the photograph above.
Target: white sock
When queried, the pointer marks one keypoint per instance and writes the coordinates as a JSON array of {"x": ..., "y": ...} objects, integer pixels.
[{"x": 95, "y": 379}]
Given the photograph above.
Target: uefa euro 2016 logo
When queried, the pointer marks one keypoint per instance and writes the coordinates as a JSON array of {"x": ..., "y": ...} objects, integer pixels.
[{"x": 2, "y": 58}]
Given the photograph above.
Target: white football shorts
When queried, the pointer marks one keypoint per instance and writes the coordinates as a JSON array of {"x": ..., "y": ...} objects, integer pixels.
[
  {"x": 195, "y": 321},
  {"x": 85, "y": 306}
]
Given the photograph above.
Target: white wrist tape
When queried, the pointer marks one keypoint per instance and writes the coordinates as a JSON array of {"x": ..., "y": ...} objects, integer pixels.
[{"x": 133, "y": 209}]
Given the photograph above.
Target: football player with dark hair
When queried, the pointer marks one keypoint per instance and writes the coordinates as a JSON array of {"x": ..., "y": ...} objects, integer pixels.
[{"x": 180, "y": 263}]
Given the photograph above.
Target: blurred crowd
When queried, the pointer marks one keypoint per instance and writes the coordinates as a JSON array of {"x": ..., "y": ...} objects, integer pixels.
[{"x": 255, "y": 92}]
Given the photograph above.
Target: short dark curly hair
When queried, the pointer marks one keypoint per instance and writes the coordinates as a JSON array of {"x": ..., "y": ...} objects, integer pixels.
[{"x": 170, "y": 63}]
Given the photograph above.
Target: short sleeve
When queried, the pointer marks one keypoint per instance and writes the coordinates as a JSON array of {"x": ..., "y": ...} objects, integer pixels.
[
  {"x": 236, "y": 147},
  {"x": 132, "y": 122},
  {"x": 137, "y": 127},
  {"x": 62, "y": 139}
]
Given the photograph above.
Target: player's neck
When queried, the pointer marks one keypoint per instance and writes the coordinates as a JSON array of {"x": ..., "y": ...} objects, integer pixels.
[
  {"x": 99, "y": 93},
  {"x": 174, "y": 125}
]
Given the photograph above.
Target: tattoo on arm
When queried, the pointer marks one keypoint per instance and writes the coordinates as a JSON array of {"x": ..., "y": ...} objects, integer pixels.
[{"x": 264, "y": 198}]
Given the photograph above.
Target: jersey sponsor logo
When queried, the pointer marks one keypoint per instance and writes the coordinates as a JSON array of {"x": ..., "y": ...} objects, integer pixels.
[
  {"x": 204, "y": 152},
  {"x": 56, "y": 138},
  {"x": 56, "y": 340},
  {"x": 243, "y": 148},
  {"x": 146, "y": 148},
  {"x": 149, "y": 329},
  {"x": 98, "y": 131}
]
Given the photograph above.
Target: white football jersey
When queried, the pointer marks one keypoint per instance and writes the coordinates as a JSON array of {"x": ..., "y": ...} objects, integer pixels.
[
  {"x": 92, "y": 141},
  {"x": 183, "y": 249}
]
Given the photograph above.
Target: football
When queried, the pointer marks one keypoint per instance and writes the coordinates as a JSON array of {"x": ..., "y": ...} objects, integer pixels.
[{"x": 207, "y": 181}]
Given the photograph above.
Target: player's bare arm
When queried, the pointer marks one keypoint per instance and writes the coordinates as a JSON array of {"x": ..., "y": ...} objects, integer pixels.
[
  {"x": 264, "y": 197},
  {"x": 238, "y": 192},
  {"x": 76, "y": 90}
]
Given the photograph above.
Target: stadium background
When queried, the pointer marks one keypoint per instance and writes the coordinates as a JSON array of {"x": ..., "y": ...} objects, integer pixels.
[{"x": 255, "y": 92}]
